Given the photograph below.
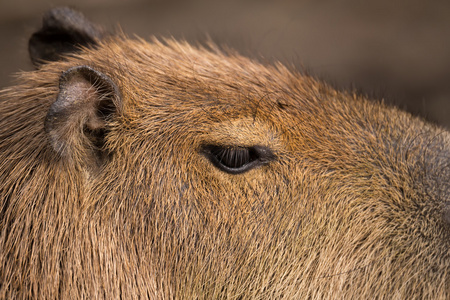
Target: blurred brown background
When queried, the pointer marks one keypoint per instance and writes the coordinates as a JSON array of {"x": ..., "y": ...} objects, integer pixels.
[{"x": 398, "y": 50}]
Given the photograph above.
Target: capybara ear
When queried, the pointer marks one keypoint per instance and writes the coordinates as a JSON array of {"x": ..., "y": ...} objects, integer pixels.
[
  {"x": 77, "y": 122},
  {"x": 63, "y": 31}
]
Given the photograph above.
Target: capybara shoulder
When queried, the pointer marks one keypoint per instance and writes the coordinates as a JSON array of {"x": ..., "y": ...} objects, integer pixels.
[{"x": 134, "y": 169}]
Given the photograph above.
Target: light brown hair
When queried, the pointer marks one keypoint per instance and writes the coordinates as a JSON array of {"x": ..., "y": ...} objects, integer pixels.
[{"x": 109, "y": 187}]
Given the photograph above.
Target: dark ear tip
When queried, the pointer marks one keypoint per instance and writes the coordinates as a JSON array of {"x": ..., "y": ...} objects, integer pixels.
[
  {"x": 69, "y": 19},
  {"x": 61, "y": 11},
  {"x": 57, "y": 14},
  {"x": 63, "y": 31}
]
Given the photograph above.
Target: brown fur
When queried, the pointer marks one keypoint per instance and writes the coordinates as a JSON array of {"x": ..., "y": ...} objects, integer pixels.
[{"x": 352, "y": 206}]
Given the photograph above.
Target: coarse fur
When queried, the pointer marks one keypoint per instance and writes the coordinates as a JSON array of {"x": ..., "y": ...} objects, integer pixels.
[{"x": 355, "y": 204}]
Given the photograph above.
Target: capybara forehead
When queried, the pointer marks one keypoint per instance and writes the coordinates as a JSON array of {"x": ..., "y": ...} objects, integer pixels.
[
  {"x": 198, "y": 76},
  {"x": 169, "y": 81}
]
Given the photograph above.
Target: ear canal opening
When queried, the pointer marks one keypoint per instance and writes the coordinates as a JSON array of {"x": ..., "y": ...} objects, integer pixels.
[
  {"x": 77, "y": 122},
  {"x": 97, "y": 137},
  {"x": 95, "y": 128}
]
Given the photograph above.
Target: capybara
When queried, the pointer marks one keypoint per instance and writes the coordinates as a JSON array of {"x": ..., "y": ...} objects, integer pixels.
[{"x": 133, "y": 169}]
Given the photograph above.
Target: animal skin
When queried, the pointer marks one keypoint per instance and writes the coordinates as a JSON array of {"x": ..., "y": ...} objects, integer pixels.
[{"x": 133, "y": 169}]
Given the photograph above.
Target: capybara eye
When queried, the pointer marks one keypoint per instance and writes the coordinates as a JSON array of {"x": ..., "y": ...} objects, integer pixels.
[{"x": 236, "y": 159}]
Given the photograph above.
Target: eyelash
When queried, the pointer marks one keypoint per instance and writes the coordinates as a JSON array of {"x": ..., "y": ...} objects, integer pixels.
[{"x": 237, "y": 160}]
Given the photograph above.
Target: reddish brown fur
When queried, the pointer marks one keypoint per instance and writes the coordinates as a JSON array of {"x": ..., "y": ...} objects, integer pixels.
[{"x": 351, "y": 208}]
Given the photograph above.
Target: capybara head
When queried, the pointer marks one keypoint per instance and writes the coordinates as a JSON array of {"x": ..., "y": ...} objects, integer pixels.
[{"x": 133, "y": 169}]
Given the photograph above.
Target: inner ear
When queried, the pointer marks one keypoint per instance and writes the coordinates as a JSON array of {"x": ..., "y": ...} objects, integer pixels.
[{"x": 77, "y": 122}]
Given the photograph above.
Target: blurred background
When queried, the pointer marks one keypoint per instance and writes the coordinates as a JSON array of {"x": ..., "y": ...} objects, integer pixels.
[{"x": 396, "y": 50}]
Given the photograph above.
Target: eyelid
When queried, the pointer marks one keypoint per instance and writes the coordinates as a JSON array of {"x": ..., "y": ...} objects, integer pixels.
[{"x": 256, "y": 156}]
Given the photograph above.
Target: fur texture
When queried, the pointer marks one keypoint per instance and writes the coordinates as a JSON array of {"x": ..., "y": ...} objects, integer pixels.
[{"x": 355, "y": 205}]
